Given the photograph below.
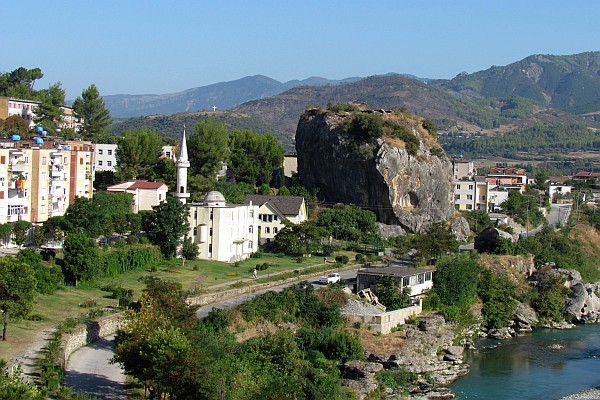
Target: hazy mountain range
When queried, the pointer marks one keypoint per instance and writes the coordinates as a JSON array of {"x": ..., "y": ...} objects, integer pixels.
[{"x": 538, "y": 90}]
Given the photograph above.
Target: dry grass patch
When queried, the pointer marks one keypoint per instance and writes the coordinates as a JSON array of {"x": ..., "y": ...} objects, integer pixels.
[{"x": 376, "y": 343}]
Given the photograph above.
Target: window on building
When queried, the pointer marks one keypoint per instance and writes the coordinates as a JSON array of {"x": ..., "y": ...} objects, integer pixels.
[
  {"x": 270, "y": 218},
  {"x": 81, "y": 161},
  {"x": 421, "y": 278},
  {"x": 168, "y": 154},
  {"x": 251, "y": 213},
  {"x": 251, "y": 229},
  {"x": 211, "y": 214},
  {"x": 457, "y": 187},
  {"x": 210, "y": 248},
  {"x": 195, "y": 214},
  {"x": 181, "y": 189},
  {"x": 275, "y": 230},
  {"x": 469, "y": 206},
  {"x": 195, "y": 231},
  {"x": 44, "y": 161},
  {"x": 457, "y": 197},
  {"x": 406, "y": 281},
  {"x": 267, "y": 229},
  {"x": 274, "y": 217},
  {"x": 109, "y": 152},
  {"x": 210, "y": 232},
  {"x": 99, "y": 163},
  {"x": 428, "y": 276},
  {"x": 482, "y": 198},
  {"x": 109, "y": 163},
  {"x": 2, "y": 194},
  {"x": 159, "y": 197},
  {"x": 250, "y": 244},
  {"x": 470, "y": 187},
  {"x": 469, "y": 197},
  {"x": 3, "y": 160},
  {"x": 100, "y": 151}
]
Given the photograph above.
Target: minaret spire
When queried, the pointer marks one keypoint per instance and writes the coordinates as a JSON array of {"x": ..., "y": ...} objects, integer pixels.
[{"x": 182, "y": 165}]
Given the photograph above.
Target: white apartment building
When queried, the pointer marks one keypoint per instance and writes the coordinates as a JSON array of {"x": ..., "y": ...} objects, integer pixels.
[
  {"x": 39, "y": 178},
  {"x": 105, "y": 156},
  {"x": 223, "y": 232}
]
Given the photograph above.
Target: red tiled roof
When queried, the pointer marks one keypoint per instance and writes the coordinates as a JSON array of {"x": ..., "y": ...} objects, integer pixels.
[{"x": 146, "y": 185}]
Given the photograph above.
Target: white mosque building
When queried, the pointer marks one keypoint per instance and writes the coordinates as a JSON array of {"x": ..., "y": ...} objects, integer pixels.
[{"x": 223, "y": 232}]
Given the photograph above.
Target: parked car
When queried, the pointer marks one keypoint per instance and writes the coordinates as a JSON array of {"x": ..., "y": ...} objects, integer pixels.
[{"x": 334, "y": 277}]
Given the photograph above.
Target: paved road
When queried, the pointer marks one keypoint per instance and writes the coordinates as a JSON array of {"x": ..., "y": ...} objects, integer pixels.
[
  {"x": 203, "y": 311},
  {"x": 559, "y": 213},
  {"x": 89, "y": 370}
]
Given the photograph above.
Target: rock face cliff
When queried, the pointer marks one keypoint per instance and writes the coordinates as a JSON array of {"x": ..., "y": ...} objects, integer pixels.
[{"x": 399, "y": 172}]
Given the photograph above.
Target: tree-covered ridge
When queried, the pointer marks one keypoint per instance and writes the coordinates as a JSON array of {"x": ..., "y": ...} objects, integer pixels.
[
  {"x": 563, "y": 82},
  {"x": 540, "y": 139}
]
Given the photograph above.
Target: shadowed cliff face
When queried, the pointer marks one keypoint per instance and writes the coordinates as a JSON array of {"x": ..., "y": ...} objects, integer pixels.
[{"x": 377, "y": 174}]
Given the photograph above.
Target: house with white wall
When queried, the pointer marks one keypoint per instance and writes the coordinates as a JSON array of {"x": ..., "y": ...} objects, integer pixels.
[
  {"x": 274, "y": 210},
  {"x": 145, "y": 194}
]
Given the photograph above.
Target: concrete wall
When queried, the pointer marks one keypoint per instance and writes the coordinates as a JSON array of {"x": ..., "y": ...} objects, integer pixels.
[
  {"x": 384, "y": 322},
  {"x": 89, "y": 333}
]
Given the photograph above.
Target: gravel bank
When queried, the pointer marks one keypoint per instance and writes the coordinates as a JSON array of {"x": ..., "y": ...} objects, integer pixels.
[{"x": 589, "y": 394}]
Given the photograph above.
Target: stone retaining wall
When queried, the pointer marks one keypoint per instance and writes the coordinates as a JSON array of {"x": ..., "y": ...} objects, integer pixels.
[
  {"x": 384, "y": 322},
  {"x": 89, "y": 333}
]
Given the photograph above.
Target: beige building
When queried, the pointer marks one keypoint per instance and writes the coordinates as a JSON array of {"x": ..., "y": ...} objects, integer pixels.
[
  {"x": 39, "y": 178},
  {"x": 274, "y": 210},
  {"x": 145, "y": 194},
  {"x": 471, "y": 194}
]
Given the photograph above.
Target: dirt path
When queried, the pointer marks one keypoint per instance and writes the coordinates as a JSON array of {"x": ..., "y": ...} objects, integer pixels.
[{"x": 27, "y": 357}]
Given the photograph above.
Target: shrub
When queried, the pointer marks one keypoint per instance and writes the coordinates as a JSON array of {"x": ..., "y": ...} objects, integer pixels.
[
  {"x": 144, "y": 240},
  {"x": 343, "y": 259},
  {"x": 360, "y": 257},
  {"x": 133, "y": 240},
  {"x": 88, "y": 304}
]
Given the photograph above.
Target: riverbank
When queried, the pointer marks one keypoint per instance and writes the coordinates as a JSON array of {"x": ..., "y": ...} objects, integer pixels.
[{"x": 590, "y": 394}]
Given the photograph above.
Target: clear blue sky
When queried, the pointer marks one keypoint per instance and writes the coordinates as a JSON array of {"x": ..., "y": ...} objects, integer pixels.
[{"x": 139, "y": 47}]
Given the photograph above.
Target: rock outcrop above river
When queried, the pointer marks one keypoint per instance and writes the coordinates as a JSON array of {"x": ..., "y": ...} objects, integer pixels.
[{"x": 381, "y": 160}]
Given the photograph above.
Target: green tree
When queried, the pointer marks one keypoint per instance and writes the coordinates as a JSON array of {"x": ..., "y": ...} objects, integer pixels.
[
  {"x": 80, "y": 255},
  {"x": 456, "y": 280},
  {"x": 498, "y": 296},
  {"x": 49, "y": 113},
  {"x": 90, "y": 107},
  {"x": 138, "y": 152},
  {"x": 284, "y": 191},
  {"x": 189, "y": 249},
  {"x": 17, "y": 290},
  {"x": 168, "y": 225},
  {"x": 389, "y": 293},
  {"x": 5, "y": 232},
  {"x": 254, "y": 157},
  {"x": 348, "y": 222},
  {"x": 14, "y": 124},
  {"x": 234, "y": 193},
  {"x": 299, "y": 239},
  {"x": 207, "y": 150},
  {"x": 264, "y": 189},
  {"x": 438, "y": 241},
  {"x": 20, "y": 230},
  {"x": 164, "y": 171}
]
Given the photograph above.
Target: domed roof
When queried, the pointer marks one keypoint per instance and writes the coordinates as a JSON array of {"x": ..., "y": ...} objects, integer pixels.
[{"x": 214, "y": 198}]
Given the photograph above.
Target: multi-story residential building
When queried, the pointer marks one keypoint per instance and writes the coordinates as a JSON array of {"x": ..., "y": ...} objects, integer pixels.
[
  {"x": 26, "y": 109},
  {"x": 40, "y": 177},
  {"x": 509, "y": 177},
  {"x": 274, "y": 210},
  {"x": 462, "y": 169},
  {"x": 471, "y": 194},
  {"x": 105, "y": 156},
  {"x": 23, "y": 108}
]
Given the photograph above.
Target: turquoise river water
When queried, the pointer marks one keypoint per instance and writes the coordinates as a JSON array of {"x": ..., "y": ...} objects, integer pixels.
[{"x": 546, "y": 364}]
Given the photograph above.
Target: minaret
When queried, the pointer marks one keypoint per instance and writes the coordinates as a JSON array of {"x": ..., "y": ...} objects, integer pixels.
[{"x": 182, "y": 165}]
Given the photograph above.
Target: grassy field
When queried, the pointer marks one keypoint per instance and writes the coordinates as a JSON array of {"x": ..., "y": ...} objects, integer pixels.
[{"x": 50, "y": 310}]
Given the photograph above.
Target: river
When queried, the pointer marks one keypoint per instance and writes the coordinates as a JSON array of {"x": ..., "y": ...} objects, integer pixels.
[{"x": 546, "y": 364}]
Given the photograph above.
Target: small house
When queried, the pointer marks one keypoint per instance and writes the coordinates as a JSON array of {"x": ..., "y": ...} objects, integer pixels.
[{"x": 419, "y": 280}]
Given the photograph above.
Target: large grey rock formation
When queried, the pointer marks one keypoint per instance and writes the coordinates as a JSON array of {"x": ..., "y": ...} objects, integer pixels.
[{"x": 411, "y": 191}]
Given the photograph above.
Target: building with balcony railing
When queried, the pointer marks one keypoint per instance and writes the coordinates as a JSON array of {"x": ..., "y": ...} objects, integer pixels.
[{"x": 40, "y": 177}]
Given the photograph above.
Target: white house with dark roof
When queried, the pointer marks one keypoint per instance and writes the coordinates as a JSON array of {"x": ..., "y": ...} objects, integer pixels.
[
  {"x": 145, "y": 194},
  {"x": 273, "y": 210}
]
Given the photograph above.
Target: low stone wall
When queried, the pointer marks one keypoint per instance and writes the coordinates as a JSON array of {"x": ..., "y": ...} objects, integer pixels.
[
  {"x": 89, "y": 333},
  {"x": 384, "y": 322}
]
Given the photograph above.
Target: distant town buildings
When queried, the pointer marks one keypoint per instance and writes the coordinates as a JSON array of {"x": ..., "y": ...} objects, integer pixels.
[
  {"x": 106, "y": 156},
  {"x": 26, "y": 109},
  {"x": 40, "y": 177},
  {"x": 485, "y": 193}
]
